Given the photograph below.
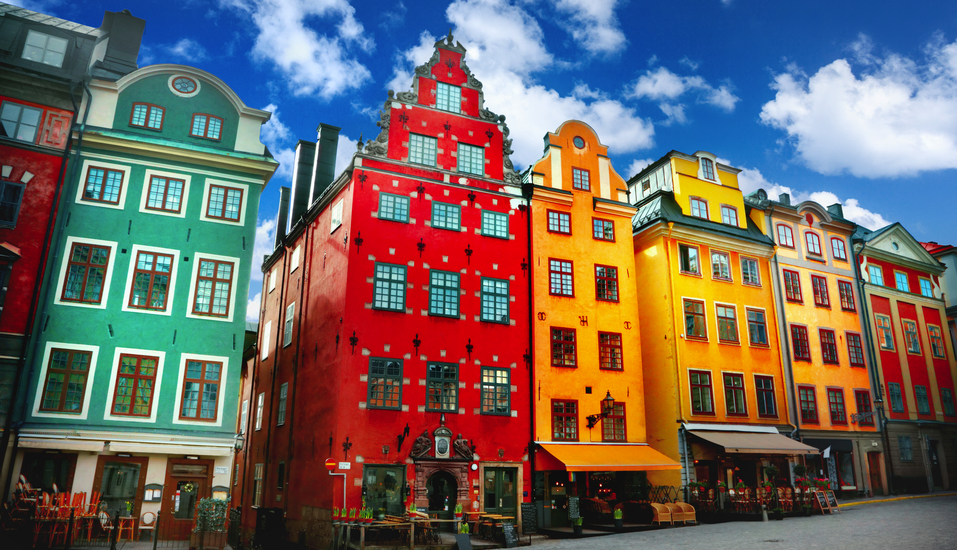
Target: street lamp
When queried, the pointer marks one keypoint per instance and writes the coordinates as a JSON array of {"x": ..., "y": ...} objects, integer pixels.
[
  {"x": 607, "y": 405},
  {"x": 238, "y": 443}
]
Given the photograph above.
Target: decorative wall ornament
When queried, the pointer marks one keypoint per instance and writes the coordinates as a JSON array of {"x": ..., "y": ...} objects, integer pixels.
[
  {"x": 422, "y": 445},
  {"x": 462, "y": 448}
]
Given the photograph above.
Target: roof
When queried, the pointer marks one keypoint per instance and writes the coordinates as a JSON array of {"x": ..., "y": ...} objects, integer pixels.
[
  {"x": 49, "y": 20},
  {"x": 661, "y": 206},
  {"x": 759, "y": 199},
  {"x": 935, "y": 248}
]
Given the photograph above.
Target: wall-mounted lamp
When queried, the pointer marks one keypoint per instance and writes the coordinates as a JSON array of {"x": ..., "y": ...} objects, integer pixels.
[{"x": 607, "y": 405}]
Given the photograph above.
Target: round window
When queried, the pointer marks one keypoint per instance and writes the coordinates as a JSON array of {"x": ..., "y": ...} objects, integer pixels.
[
  {"x": 184, "y": 84},
  {"x": 579, "y": 142},
  {"x": 896, "y": 246}
]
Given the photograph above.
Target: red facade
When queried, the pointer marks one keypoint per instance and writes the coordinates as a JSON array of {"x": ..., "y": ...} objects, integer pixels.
[{"x": 404, "y": 284}]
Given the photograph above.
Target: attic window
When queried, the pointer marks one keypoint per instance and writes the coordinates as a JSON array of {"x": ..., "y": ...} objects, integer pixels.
[
  {"x": 448, "y": 98},
  {"x": 707, "y": 168},
  {"x": 44, "y": 48}
]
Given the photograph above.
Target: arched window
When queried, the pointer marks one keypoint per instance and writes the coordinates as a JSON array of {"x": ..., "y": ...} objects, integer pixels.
[
  {"x": 707, "y": 168},
  {"x": 785, "y": 237},
  {"x": 813, "y": 243},
  {"x": 837, "y": 249}
]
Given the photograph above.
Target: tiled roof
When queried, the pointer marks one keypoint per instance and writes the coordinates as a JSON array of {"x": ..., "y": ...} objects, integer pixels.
[
  {"x": 7, "y": 9},
  {"x": 661, "y": 206}
]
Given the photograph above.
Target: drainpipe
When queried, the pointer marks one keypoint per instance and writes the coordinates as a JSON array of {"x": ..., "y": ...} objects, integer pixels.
[
  {"x": 306, "y": 266},
  {"x": 528, "y": 191},
  {"x": 275, "y": 364},
  {"x": 79, "y": 127},
  {"x": 683, "y": 448}
]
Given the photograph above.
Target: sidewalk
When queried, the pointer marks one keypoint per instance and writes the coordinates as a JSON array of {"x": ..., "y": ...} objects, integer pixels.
[{"x": 893, "y": 498}]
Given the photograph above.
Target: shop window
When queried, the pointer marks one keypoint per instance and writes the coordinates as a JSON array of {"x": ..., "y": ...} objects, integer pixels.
[{"x": 383, "y": 488}]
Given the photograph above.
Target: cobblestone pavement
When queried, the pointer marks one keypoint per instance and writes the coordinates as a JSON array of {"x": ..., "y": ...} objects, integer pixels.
[{"x": 913, "y": 523}]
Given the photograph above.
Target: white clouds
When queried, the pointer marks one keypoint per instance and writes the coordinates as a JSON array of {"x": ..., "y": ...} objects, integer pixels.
[
  {"x": 276, "y": 135},
  {"x": 593, "y": 24},
  {"x": 501, "y": 38},
  {"x": 252, "y": 308},
  {"x": 637, "y": 166},
  {"x": 895, "y": 117},
  {"x": 666, "y": 88},
  {"x": 264, "y": 245},
  {"x": 188, "y": 50}
]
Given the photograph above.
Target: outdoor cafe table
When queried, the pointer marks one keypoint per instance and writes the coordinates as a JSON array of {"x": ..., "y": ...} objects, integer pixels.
[{"x": 391, "y": 523}]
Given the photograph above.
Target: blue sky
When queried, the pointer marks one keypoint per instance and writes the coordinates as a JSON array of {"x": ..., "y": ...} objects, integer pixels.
[{"x": 852, "y": 102}]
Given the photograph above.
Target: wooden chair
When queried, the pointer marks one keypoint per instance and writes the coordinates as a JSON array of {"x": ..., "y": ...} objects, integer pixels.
[
  {"x": 661, "y": 514},
  {"x": 148, "y": 523},
  {"x": 688, "y": 512}
]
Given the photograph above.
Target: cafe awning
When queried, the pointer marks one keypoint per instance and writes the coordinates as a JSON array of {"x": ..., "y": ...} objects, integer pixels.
[
  {"x": 585, "y": 457},
  {"x": 755, "y": 443}
]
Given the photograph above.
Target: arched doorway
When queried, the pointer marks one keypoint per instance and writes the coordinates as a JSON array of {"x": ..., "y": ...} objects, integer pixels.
[{"x": 441, "y": 490}]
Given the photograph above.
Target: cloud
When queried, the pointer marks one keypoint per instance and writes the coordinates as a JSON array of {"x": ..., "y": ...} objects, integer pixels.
[
  {"x": 264, "y": 245},
  {"x": 593, "y": 24},
  {"x": 312, "y": 63},
  {"x": 187, "y": 49},
  {"x": 637, "y": 166},
  {"x": 667, "y": 88},
  {"x": 252, "y": 308},
  {"x": 394, "y": 18},
  {"x": 693, "y": 65},
  {"x": 277, "y": 137},
  {"x": 894, "y": 117}
]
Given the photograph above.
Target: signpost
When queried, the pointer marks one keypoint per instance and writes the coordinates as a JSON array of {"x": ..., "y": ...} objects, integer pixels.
[
  {"x": 832, "y": 502},
  {"x": 821, "y": 501}
]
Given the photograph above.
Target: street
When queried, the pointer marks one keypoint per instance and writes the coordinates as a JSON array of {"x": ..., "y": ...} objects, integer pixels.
[{"x": 912, "y": 523}]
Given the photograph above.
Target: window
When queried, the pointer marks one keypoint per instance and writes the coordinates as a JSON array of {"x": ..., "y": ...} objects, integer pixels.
[
  {"x": 165, "y": 194},
  {"x": 422, "y": 149},
  {"x": 281, "y": 412},
  {"x": 792, "y": 286},
  {"x": 757, "y": 328},
  {"x": 444, "y": 293},
  {"x": 896, "y": 397},
  {"x": 206, "y": 126},
  {"x": 936, "y": 342},
  {"x": 720, "y": 266},
  {"x": 448, "y": 98},
  {"x": 471, "y": 159},
  {"x": 785, "y": 236},
  {"x": 688, "y": 259},
  {"x": 699, "y": 208},
  {"x": 294, "y": 260},
  {"x": 727, "y": 323},
  {"x": 828, "y": 346},
  {"x": 734, "y": 394},
  {"x": 65, "y": 383},
  {"x": 133, "y": 395},
  {"x": 442, "y": 387},
  {"x": 813, "y": 243},
  {"x": 235, "y": 474},
  {"x": 609, "y": 351},
  {"x": 145, "y": 115},
  {"x": 837, "y": 249},
  {"x": 855, "y": 350},
  {"x": 214, "y": 281},
  {"x": 821, "y": 298},
  {"x": 749, "y": 272},
  {"x": 764, "y": 386},
  {"x": 835, "y": 402},
  {"x": 923, "y": 405},
  {"x": 20, "y": 122},
  {"x": 559, "y": 222},
  {"x": 910, "y": 336},
  {"x": 10, "y": 196},
  {"x": 885, "y": 335},
  {"x": 901, "y": 280},
  {"x": 244, "y": 416},
  {"x": 603, "y": 230},
  {"x": 495, "y": 300},
  {"x": 393, "y": 207},
  {"x": 267, "y": 335},
  {"x": 287, "y": 326},
  {"x": 729, "y": 215},
  {"x": 103, "y": 185},
  {"x": 43, "y": 48},
  {"x": 560, "y": 279},
  {"x": 847, "y": 295},
  {"x": 701, "y": 401},
  {"x": 85, "y": 273},
  {"x": 876, "y": 275},
  {"x": 495, "y": 391},
  {"x": 224, "y": 203},
  {"x": 385, "y": 384},
  {"x": 258, "y": 485},
  {"x": 707, "y": 169},
  {"x": 947, "y": 400},
  {"x": 606, "y": 283},
  {"x": 580, "y": 179},
  {"x": 389, "y": 287},
  {"x": 446, "y": 216},
  {"x": 280, "y": 475},
  {"x": 201, "y": 390},
  {"x": 808, "y": 404},
  {"x": 800, "y": 343},
  {"x": 259, "y": 410},
  {"x": 563, "y": 348},
  {"x": 925, "y": 287},
  {"x": 151, "y": 281},
  {"x": 564, "y": 420},
  {"x": 904, "y": 444},
  {"x": 613, "y": 425},
  {"x": 863, "y": 399},
  {"x": 272, "y": 281},
  {"x": 695, "y": 323},
  {"x": 494, "y": 224}
]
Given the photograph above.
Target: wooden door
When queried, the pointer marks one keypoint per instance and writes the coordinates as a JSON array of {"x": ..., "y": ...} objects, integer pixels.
[
  {"x": 501, "y": 491},
  {"x": 120, "y": 479},
  {"x": 187, "y": 481},
  {"x": 874, "y": 468}
]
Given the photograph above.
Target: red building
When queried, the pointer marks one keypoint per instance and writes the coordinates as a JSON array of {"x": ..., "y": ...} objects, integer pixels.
[{"x": 394, "y": 325}]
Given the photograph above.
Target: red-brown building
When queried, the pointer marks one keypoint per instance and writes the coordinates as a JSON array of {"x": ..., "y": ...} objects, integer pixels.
[{"x": 394, "y": 325}]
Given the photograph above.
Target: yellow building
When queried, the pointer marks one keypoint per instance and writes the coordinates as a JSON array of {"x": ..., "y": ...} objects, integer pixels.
[
  {"x": 588, "y": 387},
  {"x": 816, "y": 288},
  {"x": 712, "y": 365}
]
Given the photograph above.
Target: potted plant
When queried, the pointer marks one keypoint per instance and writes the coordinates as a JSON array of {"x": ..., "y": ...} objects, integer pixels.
[
  {"x": 777, "y": 513},
  {"x": 412, "y": 512},
  {"x": 577, "y": 526},
  {"x": 464, "y": 529},
  {"x": 352, "y": 515},
  {"x": 722, "y": 486},
  {"x": 335, "y": 513},
  {"x": 458, "y": 511},
  {"x": 800, "y": 470},
  {"x": 619, "y": 518},
  {"x": 740, "y": 486},
  {"x": 210, "y": 531}
]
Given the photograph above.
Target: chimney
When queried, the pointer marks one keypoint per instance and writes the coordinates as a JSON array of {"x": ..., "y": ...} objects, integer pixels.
[
  {"x": 301, "y": 176},
  {"x": 123, "y": 35},
  {"x": 785, "y": 199},
  {"x": 324, "y": 162},
  {"x": 283, "y": 218},
  {"x": 836, "y": 210}
]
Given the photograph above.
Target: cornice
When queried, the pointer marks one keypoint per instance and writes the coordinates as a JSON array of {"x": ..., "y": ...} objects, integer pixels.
[
  {"x": 615, "y": 208},
  {"x": 555, "y": 196},
  {"x": 877, "y": 253}
]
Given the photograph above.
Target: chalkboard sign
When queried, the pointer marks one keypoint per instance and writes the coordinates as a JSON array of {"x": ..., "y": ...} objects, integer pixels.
[
  {"x": 832, "y": 502},
  {"x": 529, "y": 518},
  {"x": 462, "y": 541},
  {"x": 573, "y": 510},
  {"x": 822, "y": 502},
  {"x": 511, "y": 535}
]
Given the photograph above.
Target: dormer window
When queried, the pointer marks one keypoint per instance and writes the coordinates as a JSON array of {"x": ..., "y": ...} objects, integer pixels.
[
  {"x": 448, "y": 98},
  {"x": 699, "y": 208},
  {"x": 146, "y": 115},
  {"x": 206, "y": 126},
  {"x": 44, "y": 48},
  {"x": 707, "y": 169}
]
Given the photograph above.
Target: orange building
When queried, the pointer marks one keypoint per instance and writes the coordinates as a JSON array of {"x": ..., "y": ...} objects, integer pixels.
[
  {"x": 816, "y": 288},
  {"x": 588, "y": 387},
  {"x": 710, "y": 352}
]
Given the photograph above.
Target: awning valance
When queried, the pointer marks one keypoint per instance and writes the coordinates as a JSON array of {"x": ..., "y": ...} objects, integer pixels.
[
  {"x": 585, "y": 457},
  {"x": 756, "y": 443}
]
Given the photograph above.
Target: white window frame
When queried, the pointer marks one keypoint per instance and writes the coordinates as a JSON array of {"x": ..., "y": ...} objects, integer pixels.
[
  {"x": 171, "y": 289},
  {"x": 430, "y": 141},
  {"x": 272, "y": 280},
  {"x": 294, "y": 259},
  {"x": 242, "y": 205},
  {"x": 85, "y": 169},
  {"x": 65, "y": 265},
  {"x": 288, "y": 325},
  {"x": 260, "y": 399},
  {"x": 469, "y": 151},
  {"x": 335, "y": 218},
  {"x": 714, "y": 167},
  {"x": 155, "y": 401},
  {"x": 144, "y": 199},
  {"x": 244, "y": 417},
  {"x": 281, "y": 407},
  {"x": 66, "y": 48},
  {"x": 267, "y": 336},
  {"x": 455, "y": 99},
  {"x": 221, "y": 397},
  {"x": 87, "y": 392},
  {"x": 194, "y": 279}
]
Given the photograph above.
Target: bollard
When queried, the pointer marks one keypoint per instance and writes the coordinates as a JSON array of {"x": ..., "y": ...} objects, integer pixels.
[
  {"x": 764, "y": 512},
  {"x": 155, "y": 533}
]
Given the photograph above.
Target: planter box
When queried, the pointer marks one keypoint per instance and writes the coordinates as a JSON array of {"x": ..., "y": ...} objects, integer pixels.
[{"x": 210, "y": 540}]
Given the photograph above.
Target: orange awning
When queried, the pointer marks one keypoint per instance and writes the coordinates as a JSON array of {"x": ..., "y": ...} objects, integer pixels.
[
  {"x": 756, "y": 443},
  {"x": 585, "y": 457}
]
